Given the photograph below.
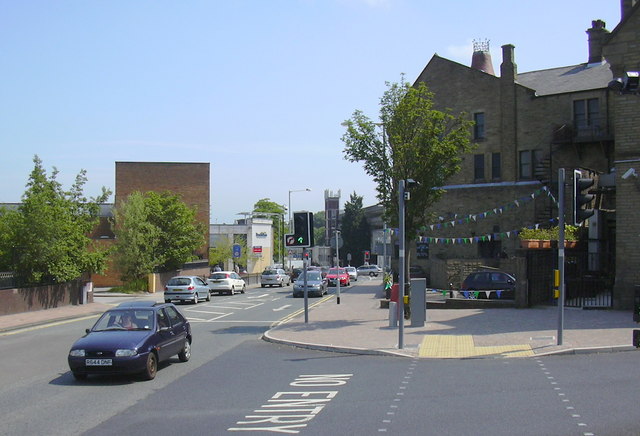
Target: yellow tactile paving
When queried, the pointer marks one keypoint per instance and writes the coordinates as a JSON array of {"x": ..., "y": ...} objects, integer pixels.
[{"x": 460, "y": 346}]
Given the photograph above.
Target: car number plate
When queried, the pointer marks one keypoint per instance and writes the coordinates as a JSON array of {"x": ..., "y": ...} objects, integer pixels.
[{"x": 98, "y": 362}]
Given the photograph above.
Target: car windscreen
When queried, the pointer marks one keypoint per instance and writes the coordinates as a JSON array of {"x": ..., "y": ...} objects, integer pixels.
[
  {"x": 270, "y": 272},
  {"x": 125, "y": 319},
  {"x": 311, "y": 276},
  {"x": 179, "y": 281}
]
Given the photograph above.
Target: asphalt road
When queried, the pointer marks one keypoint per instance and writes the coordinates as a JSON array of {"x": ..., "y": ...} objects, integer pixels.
[{"x": 237, "y": 383}]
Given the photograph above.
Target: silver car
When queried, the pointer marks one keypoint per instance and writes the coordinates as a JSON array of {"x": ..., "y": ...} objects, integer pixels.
[
  {"x": 353, "y": 273},
  {"x": 274, "y": 277},
  {"x": 186, "y": 288},
  {"x": 316, "y": 285}
]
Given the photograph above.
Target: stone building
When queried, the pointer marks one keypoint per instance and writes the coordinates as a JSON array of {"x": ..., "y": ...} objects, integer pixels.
[{"x": 528, "y": 126}]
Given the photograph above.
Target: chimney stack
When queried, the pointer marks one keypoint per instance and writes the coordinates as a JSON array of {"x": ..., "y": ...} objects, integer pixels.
[
  {"x": 597, "y": 34},
  {"x": 481, "y": 59}
]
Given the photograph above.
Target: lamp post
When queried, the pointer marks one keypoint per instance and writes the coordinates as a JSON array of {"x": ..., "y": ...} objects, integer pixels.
[{"x": 290, "y": 191}]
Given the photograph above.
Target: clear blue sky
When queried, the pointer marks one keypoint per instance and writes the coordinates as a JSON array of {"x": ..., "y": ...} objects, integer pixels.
[{"x": 258, "y": 88}]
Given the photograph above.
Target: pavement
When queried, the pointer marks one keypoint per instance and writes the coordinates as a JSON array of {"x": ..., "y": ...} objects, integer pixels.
[{"x": 359, "y": 325}]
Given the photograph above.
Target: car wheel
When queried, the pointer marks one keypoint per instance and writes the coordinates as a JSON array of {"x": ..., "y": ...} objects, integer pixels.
[
  {"x": 151, "y": 368},
  {"x": 232, "y": 291},
  {"x": 185, "y": 354},
  {"x": 263, "y": 286},
  {"x": 243, "y": 287},
  {"x": 79, "y": 376},
  {"x": 281, "y": 284},
  {"x": 167, "y": 301},
  {"x": 195, "y": 298},
  {"x": 208, "y": 296}
]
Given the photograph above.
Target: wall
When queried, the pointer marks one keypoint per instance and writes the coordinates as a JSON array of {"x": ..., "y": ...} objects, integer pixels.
[
  {"x": 19, "y": 300},
  {"x": 622, "y": 51}
]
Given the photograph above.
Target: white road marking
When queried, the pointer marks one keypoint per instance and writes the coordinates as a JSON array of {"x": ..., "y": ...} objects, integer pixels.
[{"x": 282, "y": 308}]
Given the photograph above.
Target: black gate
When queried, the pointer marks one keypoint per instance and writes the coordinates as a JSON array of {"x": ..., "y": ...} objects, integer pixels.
[{"x": 584, "y": 287}]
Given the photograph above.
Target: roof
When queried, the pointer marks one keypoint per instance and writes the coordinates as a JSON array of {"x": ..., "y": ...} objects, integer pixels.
[
  {"x": 582, "y": 77},
  {"x": 137, "y": 304}
]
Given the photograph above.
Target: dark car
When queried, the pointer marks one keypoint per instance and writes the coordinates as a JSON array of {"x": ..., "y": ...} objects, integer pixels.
[
  {"x": 316, "y": 285},
  {"x": 503, "y": 283},
  {"x": 154, "y": 333}
]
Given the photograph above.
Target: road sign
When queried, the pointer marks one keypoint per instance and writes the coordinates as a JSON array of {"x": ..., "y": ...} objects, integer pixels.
[
  {"x": 237, "y": 250},
  {"x": 340, "y": 242}
]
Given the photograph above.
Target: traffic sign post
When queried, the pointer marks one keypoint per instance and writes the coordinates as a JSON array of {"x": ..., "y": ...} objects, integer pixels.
[{"x": 302, "y": 231}]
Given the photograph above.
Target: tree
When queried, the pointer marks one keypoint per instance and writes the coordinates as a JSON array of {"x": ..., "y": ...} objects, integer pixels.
[
  {"x": 274, "y": 211},
  {"x": 222, "y": 251},
  {"x": 319, "y": 229},
  {"x": 154, "y": 232},
  {"x": 418, "y": 142},
  {"x": 356, "y": 233},
  {"x": 47, "y": 237}
]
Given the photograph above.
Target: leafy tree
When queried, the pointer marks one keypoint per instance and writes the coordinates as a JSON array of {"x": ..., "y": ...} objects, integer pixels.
[
  {"x": 154, "y": 232},
  {"x": 319, "y": 229},
  {"x": 47, "y": 238},
  {"x": 274, "y": 211},
  {"x": 222, "y": 251},
  {"x": 356, "y": 233},
  {"x": 418, "y": 142}
]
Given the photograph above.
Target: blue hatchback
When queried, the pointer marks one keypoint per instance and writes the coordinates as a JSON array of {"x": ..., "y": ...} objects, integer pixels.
[{"x": 132, "y": 338}]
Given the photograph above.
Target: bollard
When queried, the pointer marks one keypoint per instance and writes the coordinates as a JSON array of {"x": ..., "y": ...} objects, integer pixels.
[{"x": 393, "y": 314}]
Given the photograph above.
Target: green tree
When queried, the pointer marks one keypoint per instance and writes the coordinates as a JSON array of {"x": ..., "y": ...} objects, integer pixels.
[
  {"x": 154, "y": 232},
  {"x": 356, "y": 233},
  {"x": 319, "y": 229},
  {"x": 222, "y": 251},
  {"x": 417, "y": 142},
  {"x": 47, "y": 237},
  {"x": 274, "y": 211}
]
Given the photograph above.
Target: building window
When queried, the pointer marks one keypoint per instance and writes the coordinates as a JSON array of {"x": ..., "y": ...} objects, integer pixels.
[
  {"x": 496, "y": 168},
  {"x": 478, "y": 127},
  {"x": 586, "y": 116},
  {"x": 478, "y": 166},
  {"x": 528, "y": 161}
]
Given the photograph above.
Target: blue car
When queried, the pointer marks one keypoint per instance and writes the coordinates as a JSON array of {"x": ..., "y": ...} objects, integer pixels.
[{"x": 131, "y": 339}]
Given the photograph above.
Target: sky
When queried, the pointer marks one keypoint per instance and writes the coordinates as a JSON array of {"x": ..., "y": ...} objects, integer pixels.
[{"x": 257, "y": 88}]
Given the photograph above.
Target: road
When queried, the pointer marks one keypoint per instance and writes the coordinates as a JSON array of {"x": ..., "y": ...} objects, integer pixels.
[{"x": 236, "y": 383}]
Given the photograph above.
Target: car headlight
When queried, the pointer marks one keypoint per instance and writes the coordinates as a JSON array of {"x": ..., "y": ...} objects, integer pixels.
[
  {"x": 126, "y": 353},
  {"x": 77, "y": 353}
]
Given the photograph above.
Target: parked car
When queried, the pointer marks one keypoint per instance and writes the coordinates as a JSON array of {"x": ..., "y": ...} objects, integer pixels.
[
  {"x": 228, "y": 282},
  {"x": 157, "y": 332},
  {"x": 274, "y": 277},
  {"x": 490, "y": 280},
  {"x": 186, "y": 288},
  {"x": 353, "y": 273},
  {"x": 335, "y": 274},
  {"x": 369, "y": 270},
  {"x": 316, "y": 285}
]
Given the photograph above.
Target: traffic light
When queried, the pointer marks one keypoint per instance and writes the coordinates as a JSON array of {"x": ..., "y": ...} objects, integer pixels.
[
  {"x": 581, "y": 197},
  {"x": 302, "y": 229}
]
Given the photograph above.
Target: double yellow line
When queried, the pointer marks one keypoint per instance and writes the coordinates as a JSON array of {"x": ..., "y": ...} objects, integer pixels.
[{"x": 292, "y": 315}]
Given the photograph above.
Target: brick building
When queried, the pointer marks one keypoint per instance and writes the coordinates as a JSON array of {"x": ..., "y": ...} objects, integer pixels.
[
  {"x": 191, "y": 181},
  {"x": 528, "y": 126}
]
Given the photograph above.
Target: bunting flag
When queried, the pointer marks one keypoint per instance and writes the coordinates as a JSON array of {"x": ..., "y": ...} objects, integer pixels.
[
  {"x": 494, "y": 211},
  {"x": 480, "y": 238}
]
